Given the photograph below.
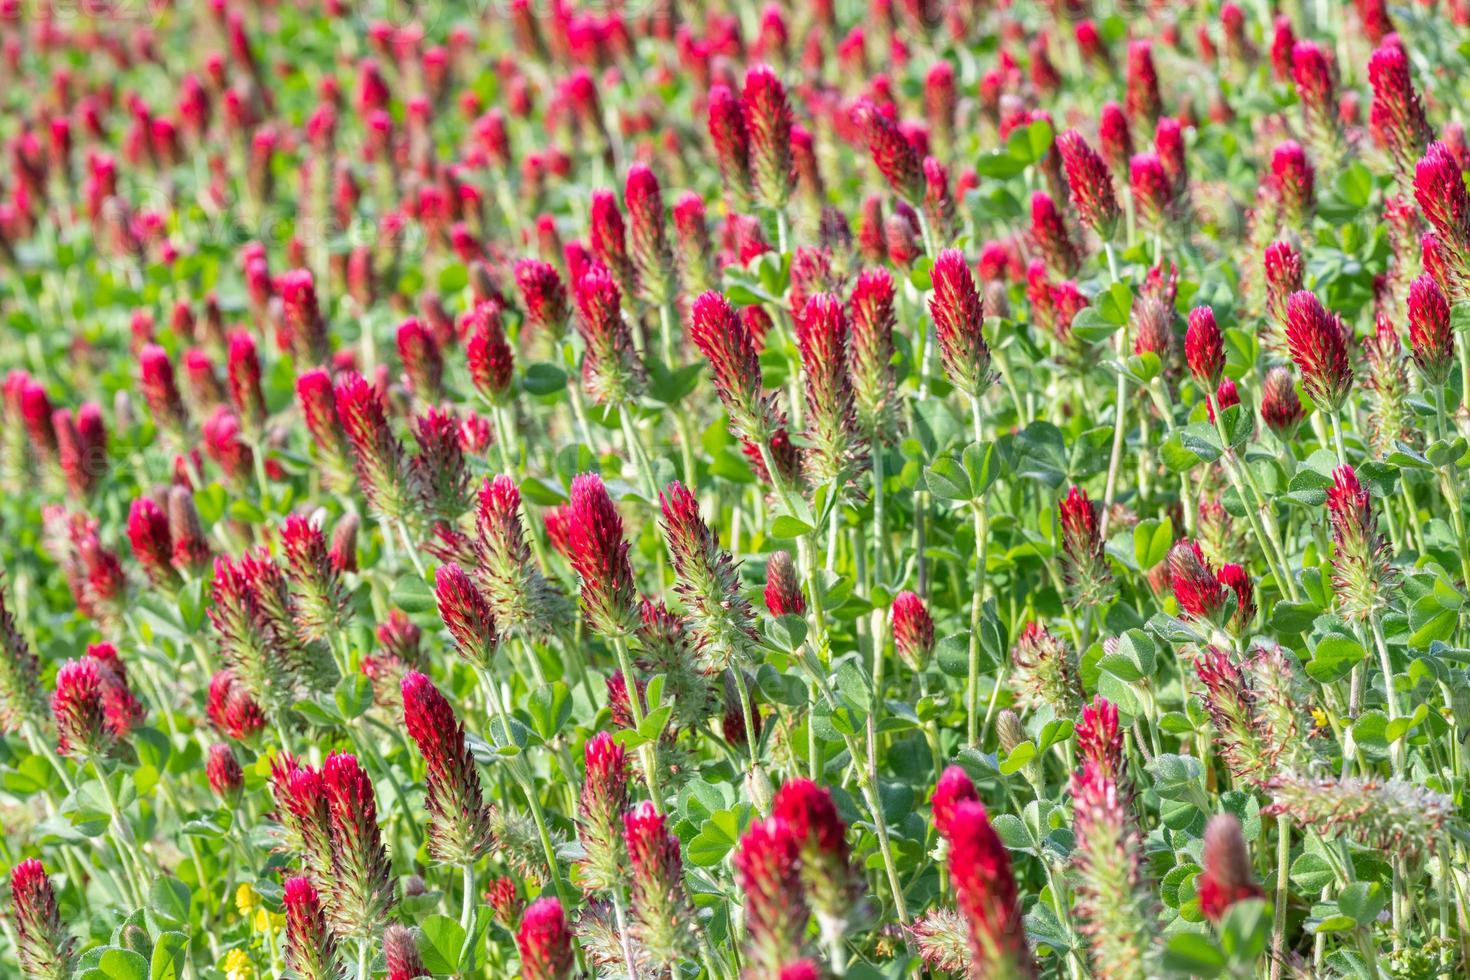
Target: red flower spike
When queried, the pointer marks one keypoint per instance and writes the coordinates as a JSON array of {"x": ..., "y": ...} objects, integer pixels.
[
  {"x": 423, "y": 363},
  {"x": 152, "y": 544},
  {"x": 1053, "y": 241},
  {"x": 361, "y": 892},
  {"x": 42, "y": 944},
  {"x": 726, "y": 343},
  {"x": 1196, "y": 588},
  {"x": 1142, "y": 95},
  {"x": 1293, "y": 181},
  {"x": 301, "y": 317},
  {"x": 822, "y": 338},
  {"x": 459, "y": 820},
  {"x": 1086, "y": 569},
  {"x": 1152, "y": 190},
  {"x": 1091, "y": 184},
  {"x": 77, "y": 705},
  {"x": 599, "y": 556},
  {"x": 1100, "y": 737},
  {"x": 653, "y": 259},
  {"x": 230, "y": 707},
  {"x": 488, "y": 354},
  {"x": 377, "y": 453},
  {"x": 1362, "y": 575},
  {"x": 893, "y": 155},
  {"x": 731, "y": 143},
  {"x": 466, "y": 614},
  {"x": 985, "y": 891},
  {"x": 1396, "y": 117},
  {"x": 958, "y": 318},
  {"x": 226, "y": 778},
  {"x": 1204, "y": 347},
  {"x": 243, "y": 372},
  {"x": 1114, "y": 139},
  {"x": 311, "y": 949},
  {"x": 544, "y": 295},
  {"x": 1318, "y": 342},
  {"x": 953, "y": 788},
  {"x": 662, "y": 909},
  {"x": 913, "y": 631},
  {"x": 545, "y": 942},
  {"x": 121, "y": 709},
  {"x": 401, "y": 953},
  {"x": 1281, "y": 409},
  {"x": 768, "y": 125},
  {"x": 611, "y": 371},
  {"x": 1431, "y": 337},
  {"x": 156, "y": 382},
  {"x": 1227, "y": 877},
  {"x": 768, "y": 871},
  {"x": 783, "y": 587},
  {"x": 1439, "y": 189}
]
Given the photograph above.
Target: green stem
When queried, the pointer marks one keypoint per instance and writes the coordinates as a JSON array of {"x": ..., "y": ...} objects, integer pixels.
[
  {"x": 977, "y": 602},
  {"x": 647, "y": 751}
]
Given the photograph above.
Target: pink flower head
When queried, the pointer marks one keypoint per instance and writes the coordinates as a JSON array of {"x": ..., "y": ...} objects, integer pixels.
[
  {"x": 985, "y": 890},
  {"x": 1204, "y": 347},
  {"x": 1431, "y": 337},
  {"x": 1100, "y": 737},
  {"x": 611, "y": 371},
  {"x": 1053, "y": 241},
  {"x": 319, "y": 410},
  {"x": 152, "y": 544},
  {"x": 401, "y": 953},
  {"x": 958, "y": 318},
  {"x": 731, "y": 143},
  {"x": 1283, "y": 268},
  {"x": 81, "y": 716},
  {"x": 1082, "y": 545},
  {"x": 156, "y": 380},
  {"x": 362, "y": 892},
  {"x": 301, "y": 317},
  {"x": 231, "y": 708},
  {"x": 953, "y": 788},
  {"x": 1142, "y": 98},
  {"x": 544, "y": 295},
  {"x": 768, "y": 871},
  {"x": 423, "y": 363},
  {"x": 43, "y": 946},
  {"x": 1152, "y": 190},
  {"x": 1396, "y": 117},
  {"x": 1227, "y": 877},
  {"x": 1196, "y": 587},
  {"x": 913, "y": 630},
  {"x": 120, "y": 708},
  {"x": 893, "y": 155},
  {"x": 1318, "y": 341},
  {"x": 1091, "y": 184},
  {"x": 822, "y": 339},
  {"x": 243, "y": 373},
  {"x": 1293, "y": 181},
  {"x": 768, "y": 123},
  {"x": 226, "y": 779},
  {"x": 466, "y": 614},
  {"x": 378, "y": 455},
  {"x": 459, "y": 820},
  {"x": 726, "y": 343},
  {"x": 1114, "y": 139},
  {"x": 1281, "y": 409},
  {"x": 870, "y": 352},
  {"x": 545, "y": 942},
  {"x": 488, "y": 354},
  {"x": 599, "y": 556},
  {"x": 783, "y": 588},
  {"x": 653, "y": 259}
]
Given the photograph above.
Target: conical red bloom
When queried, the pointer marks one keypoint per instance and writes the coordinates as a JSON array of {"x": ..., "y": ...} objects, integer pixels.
[
  {"x": 768, "y": 870},
  {"x": 1227, "y": 877},
  {"x": 1204, "y": 347},
  {"x": 230, "y": 707},
  {"x": 609, "y": 240},
  {"x": 1091, "y": 184},
  {"x": 1099, "y": 737},
  {"x": 401, "y": 954},
  {"x": 1086, "y": 569},
  {"x": 1281, "y": 409},
  {"x": 545, "y": 942},
  {"x": 121, "y": 709},
  {"x": 459, "y": 821},
  {"x": 301, "y": 317},
  {"x": 954, "y": 787},
  {"x": 544, "y": 295},
  {"x": 1152, "y": 189},
  {"x": 599, "y": 556},
  {"x": 1053, "y": 241},
  {"x": 783, "y": 587},
  {"x": 488, "y": 354},
  {"x": 319, "y": 410},
  {"x": 1362, "y": 574},
  {"x": 985, "y": 890},
  {"x": 466, "y": 614},
  {"x": 611, "y": 371},
  {"x": 77, "y": 705},
  {"x": 311, "y": 949},
  {"x": 243, "y": 373},
  {"x": 1318, "y": 341},
  {"x": 1115, "y": 141},
  {"x": 870, "y": 354},
  {"x": 226, "y": 779},
  {"x": 661, "y": 907},
  {"x": 304, "y": 814},
  {"x": 913, "y": 630},
  {"x": 894, "y": 156},
  {"x": 152, "y": 544},
  {"x": 1196, "y": 588},
  {"x": 822, "y": 337},
  {"x": 156, "y": 382},
  {"x": 361, "y": 886},
  {"x": 653, "y": 259},
  {"x": 1439, "y": 188},
  {"x": 731, "y": 143},
  {"x": 723, "y": 339},
  {"x": 42, "y": 944},
  {"x": 377, "y": 453},
  {"x": 1142, "y": 97},
  {"x": 768, "y": 124},
  {"x": 958, "y": 318},
  {"x": 423, "y": 363},
  {"x": 1396, "y": 117},
  {"x": 1431, "y": 337}
]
